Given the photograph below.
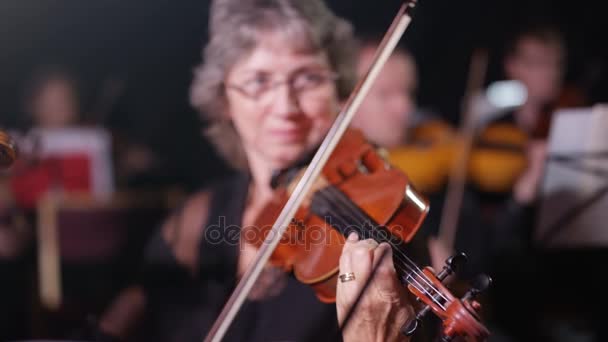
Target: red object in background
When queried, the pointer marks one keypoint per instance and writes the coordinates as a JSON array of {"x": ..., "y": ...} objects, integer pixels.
[{"x": 67, "y": 172}]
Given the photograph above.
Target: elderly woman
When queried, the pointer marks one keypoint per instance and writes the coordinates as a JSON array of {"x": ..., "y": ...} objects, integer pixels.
[{"x": 273, "y": 77}]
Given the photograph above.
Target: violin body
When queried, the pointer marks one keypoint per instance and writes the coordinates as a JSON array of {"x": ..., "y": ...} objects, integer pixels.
[
  {"x": 428, "y": 156},
  {"x": 8, "y": 152},
  {"x": 358, "y": 190},
  {"x": 498, "y": 158}
]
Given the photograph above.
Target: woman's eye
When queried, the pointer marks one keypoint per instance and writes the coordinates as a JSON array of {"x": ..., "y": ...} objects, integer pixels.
[
  {"x": 308, "y": 79},
  {"x": 257, "y": 84},
  {"x": 260, "y": 80}
]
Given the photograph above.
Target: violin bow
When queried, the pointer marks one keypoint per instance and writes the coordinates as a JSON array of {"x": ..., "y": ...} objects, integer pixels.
[
  {"x": 238, "y": 296},
  {"x": 450, "y": 212}
]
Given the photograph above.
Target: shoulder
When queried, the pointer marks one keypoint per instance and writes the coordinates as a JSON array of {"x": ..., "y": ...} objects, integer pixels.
[
  {"x": 194, "y": 209},
  {"x": 183, "y": 230}
]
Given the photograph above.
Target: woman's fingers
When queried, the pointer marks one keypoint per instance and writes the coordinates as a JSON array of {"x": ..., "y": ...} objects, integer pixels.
[
  {"x": 375, "y": 310},
  {"x": 385, "y": 282},
  {"x": 356, "y": 265}
]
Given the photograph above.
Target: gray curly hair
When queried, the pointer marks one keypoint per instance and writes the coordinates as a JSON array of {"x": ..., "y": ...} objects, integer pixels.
[{"x": 236, "y": 28}]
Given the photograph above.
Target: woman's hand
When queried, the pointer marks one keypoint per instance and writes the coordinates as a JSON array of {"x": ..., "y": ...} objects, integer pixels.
[
  {"x": 382, "y": 307},
  {"x": 526, "y": 188}
]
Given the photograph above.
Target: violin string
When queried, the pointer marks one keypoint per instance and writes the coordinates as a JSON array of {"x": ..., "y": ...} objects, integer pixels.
[
  {"x": 414, "y": 282},
  {"x": 353, "y": 210},
  {"x": 406, "y": 264},
  {"x": 428, "y": 289},
  {"x": 399, "y": 255},
  {"x": 413, "y": 279}
]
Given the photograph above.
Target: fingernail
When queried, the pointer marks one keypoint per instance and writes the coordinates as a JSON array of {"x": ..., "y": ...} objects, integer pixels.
[
  {"x": 353, "y": 236},
  {"x": 385, "y": 246}
]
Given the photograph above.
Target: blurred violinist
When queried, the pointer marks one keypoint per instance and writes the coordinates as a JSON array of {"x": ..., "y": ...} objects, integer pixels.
[
  {"x": 536, "y": 57},
  {"x": 508, "y": 155},
  {"x": 386, "y": 113},
  {"x": 389, "y": 117},
  {"x": 273, "y": 77}
]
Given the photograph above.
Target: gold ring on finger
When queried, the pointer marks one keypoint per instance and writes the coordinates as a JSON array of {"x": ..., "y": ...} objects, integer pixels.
[{"x": 346, "y": 277}]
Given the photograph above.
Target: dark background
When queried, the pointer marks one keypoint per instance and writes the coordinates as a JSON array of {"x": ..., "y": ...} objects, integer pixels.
[{"x": 153, "y": 45}]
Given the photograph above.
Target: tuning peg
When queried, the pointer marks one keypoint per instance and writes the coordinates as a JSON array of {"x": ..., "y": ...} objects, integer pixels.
[
  {"x": 409, "y": 328},
  {"x": 478, "y": 285},
  {"x": 452, "y": 265}
]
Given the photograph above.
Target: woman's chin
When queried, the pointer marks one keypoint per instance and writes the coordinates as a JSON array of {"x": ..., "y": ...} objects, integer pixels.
[{"x": 286, "y": 156}]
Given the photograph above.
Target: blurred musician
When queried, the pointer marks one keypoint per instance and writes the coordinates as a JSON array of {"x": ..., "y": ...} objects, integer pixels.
[
  {"x": 57, "y": 152},
  {"x": 500, "y": 242},
  {"x": 385, "y": 114},
  {"x": 389, "y": 117},
  {"x": 536, "y": 58}
]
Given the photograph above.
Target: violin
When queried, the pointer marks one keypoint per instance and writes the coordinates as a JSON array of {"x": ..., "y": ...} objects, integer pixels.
[
  {"x": 426, "y": 158},
  {"x": 499, "y": 152},
  {"x": 348, "y": 186},
  {"x": 8, "y": 152},
  {"x": 357, "y": 191},
  {"x": 497, "y": 157}
]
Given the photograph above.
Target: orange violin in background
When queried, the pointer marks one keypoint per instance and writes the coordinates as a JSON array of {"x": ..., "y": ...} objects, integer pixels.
[
  {"x": 498, "y": 158},
  {"x": 497, "y": 155},
  {"x": 495, "y": 162},
  {"x": 426, "y": 159}
]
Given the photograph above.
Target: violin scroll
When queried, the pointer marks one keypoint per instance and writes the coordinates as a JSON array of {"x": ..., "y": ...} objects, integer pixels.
[
  {"x": 8, "y": 153},
  {"x": 460, "y": 317}
]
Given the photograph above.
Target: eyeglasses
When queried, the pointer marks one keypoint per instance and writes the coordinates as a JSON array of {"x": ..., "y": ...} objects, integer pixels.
[{"x": 262, "y": 85}]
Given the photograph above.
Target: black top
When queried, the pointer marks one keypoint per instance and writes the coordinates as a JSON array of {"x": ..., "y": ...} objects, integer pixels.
[{"x": 183, "y": 308}]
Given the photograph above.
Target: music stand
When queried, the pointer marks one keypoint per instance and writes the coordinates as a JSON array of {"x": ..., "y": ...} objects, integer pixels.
[{"x": 574, "y": 194}]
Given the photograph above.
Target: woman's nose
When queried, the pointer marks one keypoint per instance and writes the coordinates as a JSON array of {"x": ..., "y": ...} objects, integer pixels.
[{"x": 286, "y": 101}]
